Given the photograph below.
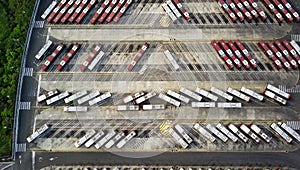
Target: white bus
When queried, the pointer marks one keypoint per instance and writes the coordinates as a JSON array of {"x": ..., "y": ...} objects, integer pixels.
[
  {"x": 238, "y": 94},
  {"x": 224, "y": 130},
  {"x": 37, "y": 133},
  {"x": 173, "y": 8},
  {"x": 235, "y": 130},
  {"x": 171, "y": 59},
  {"x": 90, "y": 142},
  {"x": 86, "y": 137},
  {"x": 190, "y": 94},
  {"x": 206, "y": 94},
  {"x": 278, "y": 91},
  {"x": 203, "y": 104},
  {"x": 183, "y": 134},
  {"x": 295, "y": 46},
  {"x": 154, "y": 107},
  {"x": 251, "y": 134},
  {"x": 216, "y": 132},
  {"x": 275, "y": 97},
  {"x": 49, "y": 9},
  {"x": 88, "y": 97},
  {"x": 169, "y": 99},
  {"x": 221, "y": 93},
  {"x": 290, "y": 130},
  {"x": 114, "y": 140},
  {"x": 252, "y": 93},
  {"x": 75, "y": 109},
  {"x": 126, "y": 139},
  {"x": 128, "y": 107},
  {"x": 169, "y": 12},
  {"x": 75, "y": 96},
  {"x": 204, "y": 132},
  {"x": 43, "y": 50},
  {"x": 100, "y": 98},
  {"x": 107, "y": 137},
  {"x": 182, "y": 143},
  {"x": 96, "y": 60},
  {"x": 47, "y": 95},
  {"x": 229, "y": 105},
  {"x": 57, "y": 98},
  {"x": 178, "y": 96},
  {"x": 285, "y": 136},
  {"x": 257, "y": 130},
  {"x": 144, "y": 98},
  {"x": 132, "y": 97}
]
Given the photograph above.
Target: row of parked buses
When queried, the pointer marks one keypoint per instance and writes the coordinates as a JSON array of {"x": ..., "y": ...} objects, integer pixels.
[
  {"x": 92, "y": 59},
  {"x": 283, "y": 54},
  {"x": 104, "y": 139},
  {"x": 231, "y": 132},
  {"x": 175, "y": 10},
  {"x": 51, "y": 58},
  {"x": 234, "y": 54},
  {"x": 242, "y": 10},
  {"x": 77, "y": 10},
  {"x": 111, "y": 11},
  {"x": 137, "y": 57},
  {"x": 286, "y": 11},
  {"x": 186, "y": 95},
  {"x": 210, "y": 132},
  {"x": 244, "y": 132},
  {"x": 249, "y": 10},
  {"x": 171, "y": 97},
  {"x": 68, "y": 11},
  {"x": 81, "y": 97}
]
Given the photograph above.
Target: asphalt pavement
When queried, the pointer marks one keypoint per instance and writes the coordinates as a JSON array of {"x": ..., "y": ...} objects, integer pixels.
[
  {"x": 188, "y": 159},
  {"x": 43, "y": 159}
]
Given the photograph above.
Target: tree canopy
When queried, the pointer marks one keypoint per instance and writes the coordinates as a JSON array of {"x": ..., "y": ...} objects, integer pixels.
[{"x": 15, "y": 17}]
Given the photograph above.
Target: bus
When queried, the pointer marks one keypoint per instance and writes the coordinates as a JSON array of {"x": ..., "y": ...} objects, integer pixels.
[
  {"x": 75, "y": 96},
  {"x": 252, "y": 93},
  {"x": 238, "y": 94},
  {"x": 126, "y": 139},
  {"x": 206, "y": 94},
  {"x": 204, "y": 132},
  {"x": 57, "y": 98},
  {"x": 171, "y": 59},
  {"x": 178, "y": 96},
  {"x": 224, "y": 130},
  {"x": 190, "y": 94},
  {"x": 278, "y": 91},
  {"x": 216, "y": 132},
  {"x": 43, "y": 50},
  {"x": 203, "y": 104},
  {"x": 86, "y": 137},
  {"x": 183, "y": 134},
  {"x": 169, "y": 99},
  {"x": 235, "y": 130},
  {"x": 37, "y": 133},
  {"x": 285, "y": 136},
  {"x": 221, "y": 93},
  {"x": 182, "y": 143}
]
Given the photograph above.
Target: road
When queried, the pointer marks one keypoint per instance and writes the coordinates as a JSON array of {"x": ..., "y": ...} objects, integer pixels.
[
  {"x": 117, "y": 35},
  {"x": 173, "y": 76},
  {"x": 173, "y": 159}
]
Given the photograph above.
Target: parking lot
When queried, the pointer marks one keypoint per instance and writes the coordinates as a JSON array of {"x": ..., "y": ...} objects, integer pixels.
[
  {"x": 199, "y": 66},
  {"x": 134, "y": 61}
]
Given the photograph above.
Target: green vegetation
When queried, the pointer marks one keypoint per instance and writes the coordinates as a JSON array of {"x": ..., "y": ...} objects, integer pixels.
[{"x": 15, "y": 17}]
